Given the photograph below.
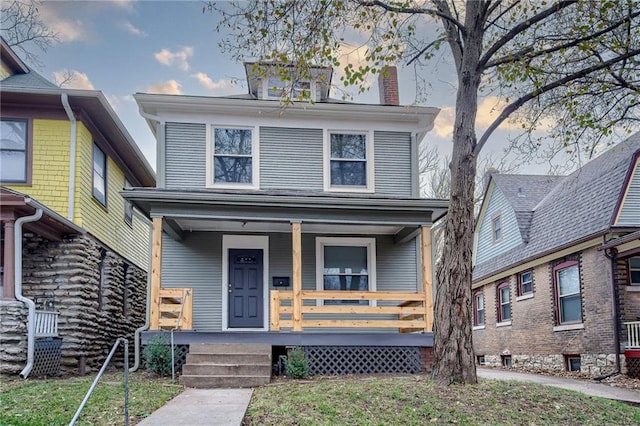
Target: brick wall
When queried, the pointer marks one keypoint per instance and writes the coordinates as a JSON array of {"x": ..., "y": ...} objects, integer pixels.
[
  {"x": 98, "y": 297},
  {"x": 530, "y": 339}
]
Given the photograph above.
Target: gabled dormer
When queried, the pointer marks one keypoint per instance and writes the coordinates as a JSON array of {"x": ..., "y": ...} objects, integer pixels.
[
  {"x": 627, "y": 213},
  {"x": 272, "y": 81}
]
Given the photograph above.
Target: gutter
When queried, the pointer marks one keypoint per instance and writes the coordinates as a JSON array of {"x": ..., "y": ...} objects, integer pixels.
[
  {"x": 18, "y": 290},
  {"x": 147, "y": 320},
  {"x": 72, "y": 155}
]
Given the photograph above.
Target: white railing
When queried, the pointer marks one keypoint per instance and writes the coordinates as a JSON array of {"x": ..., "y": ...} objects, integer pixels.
[
  {"x": 46, "y": 324},
  {"x": 633, "y": 334}
]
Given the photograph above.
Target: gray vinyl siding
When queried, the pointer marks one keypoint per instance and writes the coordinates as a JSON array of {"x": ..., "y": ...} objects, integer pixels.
[
  {"x": 487, "y": 248},
  {"x": 393, "y": 167},
  {"x": 291, "y": 158},
  {"x": 630, "y": 209},
  {"x": 196, "y": 262},
  {"x": 186, "y": 155}
]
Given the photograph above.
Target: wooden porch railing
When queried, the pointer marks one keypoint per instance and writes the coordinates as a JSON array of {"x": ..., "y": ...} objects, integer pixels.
[
  {"x": 173, "y": 302},
  {"x": 633, "y": 334},
  {"x": 46, "y": 324},
  {"x": 410, "y": 314}
]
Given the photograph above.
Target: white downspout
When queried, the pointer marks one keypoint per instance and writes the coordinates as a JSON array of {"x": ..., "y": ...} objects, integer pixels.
[
  {"x": 136, "y": 338},
  {"x": 72, "y": 156},
  {"x": 31, "y": 318}
]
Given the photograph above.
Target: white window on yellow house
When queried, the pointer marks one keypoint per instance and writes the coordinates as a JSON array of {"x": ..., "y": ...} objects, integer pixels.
[
  {"x": 99, "y": 175},
  {"x": 13, "y": 151}
]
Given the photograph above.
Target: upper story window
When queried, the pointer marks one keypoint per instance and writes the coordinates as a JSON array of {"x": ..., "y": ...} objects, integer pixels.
[
  {"x": 568, "y": 303},
  {"x": 128, "y": 207},
  {"x": 346, "y": 264},
  {"x": 634, "y": 271},
  {"x": 525, "y": 283},
  {"x": 99, "y": 175},
  {"x": 496, "y": 228},
  {"x": 349, "y": 162},
  {"x": 478, "y": 308},
  {"x": 14, "y": 151},
  {"x": 504, "y": 302},
  {"x": 276, "y": 88},
  {"x": 234, "y": 157}
]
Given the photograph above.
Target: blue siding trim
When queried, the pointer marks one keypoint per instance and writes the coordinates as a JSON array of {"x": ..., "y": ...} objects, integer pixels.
[
  {"x": 630, "y": 210},
  {"x": 487, "y": 249},
  {"x": 393, "y": 168},
  {"x": 186, "y": 155},
  {"x": 291, "y": 158}
]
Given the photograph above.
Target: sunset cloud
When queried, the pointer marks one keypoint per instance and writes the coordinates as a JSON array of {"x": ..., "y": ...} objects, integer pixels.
[
  {"x": 179, "y": 57},
  {"x": 170, "y": 87},
  {"x": 72, "y": 79}
]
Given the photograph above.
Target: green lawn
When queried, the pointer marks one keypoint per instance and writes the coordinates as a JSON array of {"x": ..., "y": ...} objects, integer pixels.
[
  {"x": 416, "y": 400},
  {"x": 54, "y": 401}
]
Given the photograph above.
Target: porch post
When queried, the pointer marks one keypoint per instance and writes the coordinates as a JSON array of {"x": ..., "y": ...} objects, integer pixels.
[
  {"x": 427, "y": 276},
  {"x": 296, "y": 249},
  {"x": 8, "y": 251},
  {"x": 156, "y": 266}
]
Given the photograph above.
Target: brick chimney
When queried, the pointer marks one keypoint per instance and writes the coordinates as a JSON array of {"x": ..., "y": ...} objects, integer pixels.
[{"x": 388, "y": 86}]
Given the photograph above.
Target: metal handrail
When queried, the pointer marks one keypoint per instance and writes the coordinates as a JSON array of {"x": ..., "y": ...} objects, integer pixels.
[
  {"x": 173, "y": 356},
  {"x": 95, "y": 382}
]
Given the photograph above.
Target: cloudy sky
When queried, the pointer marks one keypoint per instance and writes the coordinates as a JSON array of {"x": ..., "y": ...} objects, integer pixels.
[{"x": 123, "y": 47}]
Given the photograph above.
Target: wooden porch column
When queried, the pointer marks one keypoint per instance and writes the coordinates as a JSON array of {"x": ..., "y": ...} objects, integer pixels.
[
  {"x": 156, "y": 267},
  {"x": 296, "y": 249},
  {"x": 427, "y": 276}
]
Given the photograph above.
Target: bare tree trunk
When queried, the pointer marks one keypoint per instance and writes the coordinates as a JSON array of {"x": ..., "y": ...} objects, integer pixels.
[{"x": 453, "y": 344}]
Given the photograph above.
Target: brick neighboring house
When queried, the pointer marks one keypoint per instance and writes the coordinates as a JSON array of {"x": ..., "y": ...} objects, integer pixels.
[
  {"x": 76, "y": 280},
  {"x": 556, "y": 279}
]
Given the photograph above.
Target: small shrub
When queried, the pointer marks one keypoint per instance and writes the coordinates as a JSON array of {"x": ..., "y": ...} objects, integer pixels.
[
  {"x": 157, "y": 355},
  {"x": 296, "y": 364}
]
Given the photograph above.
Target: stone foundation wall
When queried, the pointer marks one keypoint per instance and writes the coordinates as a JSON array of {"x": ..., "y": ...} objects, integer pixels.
[
  {"x": 592, "y": 364},
  {"x": 13, "y": 336},
  {"x": 100, "y": 297}
]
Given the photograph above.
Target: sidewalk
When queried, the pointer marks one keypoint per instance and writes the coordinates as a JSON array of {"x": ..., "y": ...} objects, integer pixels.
[
  {"x": 199, "y": 407},
  {"x": 585, "y": 386}
]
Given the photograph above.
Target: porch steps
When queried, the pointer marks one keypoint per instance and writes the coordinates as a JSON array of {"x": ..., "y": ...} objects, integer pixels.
[{"x": 226, "y": 365}]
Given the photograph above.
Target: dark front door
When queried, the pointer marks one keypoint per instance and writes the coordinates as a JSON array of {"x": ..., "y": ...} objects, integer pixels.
[{"x": 245, "y": 288}]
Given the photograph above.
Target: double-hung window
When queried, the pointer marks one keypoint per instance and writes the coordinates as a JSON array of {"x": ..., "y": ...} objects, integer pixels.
[
  {"x": 496, "y": 228},
  {"x": 525, "y": 283},
  {"x": 568, "y": 302},
  {"x": 233, "y": 155},
  {"x": 14, "y": 151},
  {"x": 478, "y": 308},
  {"x": 349, "y": 162},
  {"x": 345, "y": 264},
  {"x": 634, "y": 271},
  {"x": 504, "y": 302},
  {"x": 99, "y": 175}
]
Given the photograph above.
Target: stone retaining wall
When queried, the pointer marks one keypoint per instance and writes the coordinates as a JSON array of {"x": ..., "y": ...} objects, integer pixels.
[
  {"x": 593, "y": 364},
  {"x": 99, "y": 295}
]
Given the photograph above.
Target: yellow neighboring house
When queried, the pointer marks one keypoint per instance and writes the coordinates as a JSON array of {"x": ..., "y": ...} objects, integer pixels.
[{"x": 80, "y": 280}]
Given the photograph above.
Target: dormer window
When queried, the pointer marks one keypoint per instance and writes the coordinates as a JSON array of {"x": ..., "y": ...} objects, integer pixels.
[{"x": 276, "y": 88}]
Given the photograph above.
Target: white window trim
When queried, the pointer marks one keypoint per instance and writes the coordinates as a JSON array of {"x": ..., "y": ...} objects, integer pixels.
[
  {"x": 503, "y": 323},
  {"x": 255, "y": 158},
  {"x": 566, "y": 327},
  {"x": 478, "y": 327},
  {"x": 326, "y": 167},
  {"x": 245, "y": 242},
  {"x": 369, "y": 243}
]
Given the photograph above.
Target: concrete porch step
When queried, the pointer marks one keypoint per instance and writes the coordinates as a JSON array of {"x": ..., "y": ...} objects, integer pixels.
[
  {"x": 199, "y": 381},
  {"x": 230, "y": 348},
  {"x": 208, "y": 369},
  {"x": 229, "y": 358}
]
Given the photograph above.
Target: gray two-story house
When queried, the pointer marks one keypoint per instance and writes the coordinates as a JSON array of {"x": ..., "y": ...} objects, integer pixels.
[{"x": 293, "y": 225}]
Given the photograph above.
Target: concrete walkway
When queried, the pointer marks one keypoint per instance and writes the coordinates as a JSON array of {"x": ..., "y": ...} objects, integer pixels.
[
  {"x": 588, "y": 387},
  {"x": 199, "y": 407}
]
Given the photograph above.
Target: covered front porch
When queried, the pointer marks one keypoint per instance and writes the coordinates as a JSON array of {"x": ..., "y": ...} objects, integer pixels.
[{"x": 325, "y": 266}]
